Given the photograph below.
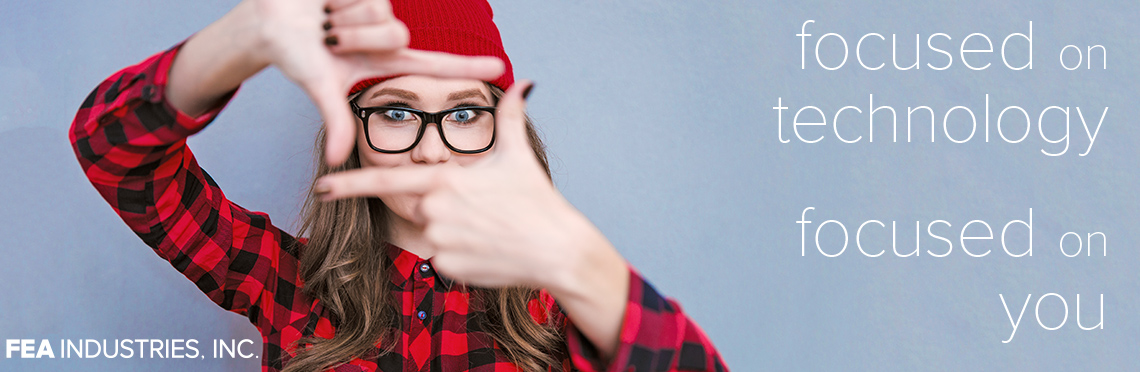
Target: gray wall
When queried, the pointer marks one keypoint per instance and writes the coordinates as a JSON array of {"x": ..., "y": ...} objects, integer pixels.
[{"x": 659, "y": 118}]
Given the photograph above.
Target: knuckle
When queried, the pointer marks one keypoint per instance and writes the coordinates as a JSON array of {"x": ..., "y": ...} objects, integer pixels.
[
  {"x": 337, "y": 4},
  {"x": 440, "y": 180},
  {"x": 450, "y": 265},
  {"x": 436, "y": 234},
  {"x": 346, "y": 38},
  {"x": 385, "y": 6},
  {"x": 399, "y": 33},
  {"x": 369, "y": 13},
  {"x": 450, "y": 180},
  {"x": 341, "y": 17},
  {"x": 429, "y": 206},
  {"x": 378, "y": 11}
]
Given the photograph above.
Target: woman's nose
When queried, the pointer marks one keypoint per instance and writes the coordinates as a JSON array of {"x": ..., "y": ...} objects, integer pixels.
[{"x": 431, "y": 148}]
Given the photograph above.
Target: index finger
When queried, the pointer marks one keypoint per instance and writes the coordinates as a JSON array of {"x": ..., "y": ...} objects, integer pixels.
[
  {"x": 510, "y": 119},
  {"x": 339, "y": 125},
  {"x": 376, "y": 182},
  {"x": 439, "y": 64}
]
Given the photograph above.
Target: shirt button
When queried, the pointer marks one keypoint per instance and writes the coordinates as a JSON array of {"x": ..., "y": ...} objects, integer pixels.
[
  {"x": 422, "y": 315},
  {"x": 148, "y": 92},
  {"x": 424, "y": 268}
]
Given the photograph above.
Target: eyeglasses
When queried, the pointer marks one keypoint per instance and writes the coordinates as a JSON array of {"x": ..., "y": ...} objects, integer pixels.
[{"x": 395, "y": 129}]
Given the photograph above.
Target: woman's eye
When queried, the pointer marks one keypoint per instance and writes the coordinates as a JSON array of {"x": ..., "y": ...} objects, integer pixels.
[
  {"x": 463, "y": 116},
  {"x": 398, "y": 115}
]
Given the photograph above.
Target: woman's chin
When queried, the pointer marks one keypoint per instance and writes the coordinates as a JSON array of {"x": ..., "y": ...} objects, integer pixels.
[{"x": 403, "y": 207}]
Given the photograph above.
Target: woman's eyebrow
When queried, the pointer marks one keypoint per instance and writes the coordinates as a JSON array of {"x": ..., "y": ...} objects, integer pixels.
[
  {"x": 466, "y": 94},
  {"x": 404, "y": 94}
]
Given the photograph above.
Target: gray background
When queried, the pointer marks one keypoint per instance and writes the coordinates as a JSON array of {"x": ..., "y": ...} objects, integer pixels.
[{"x": 659, "y": 119}]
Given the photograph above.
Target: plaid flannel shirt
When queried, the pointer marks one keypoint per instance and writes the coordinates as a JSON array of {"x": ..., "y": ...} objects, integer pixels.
[{"x": 131, "y": 144}]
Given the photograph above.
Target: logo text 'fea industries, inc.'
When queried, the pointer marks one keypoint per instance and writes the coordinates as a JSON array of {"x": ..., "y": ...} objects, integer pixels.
[{"x": 128, "y": 349}]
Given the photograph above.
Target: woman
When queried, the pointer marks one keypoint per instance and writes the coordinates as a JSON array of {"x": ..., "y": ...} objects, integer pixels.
[{"x": 434, "y": 237}]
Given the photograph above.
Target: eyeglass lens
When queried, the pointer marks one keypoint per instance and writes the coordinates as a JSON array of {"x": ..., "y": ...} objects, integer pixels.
[{"x": 466, "y": 130}]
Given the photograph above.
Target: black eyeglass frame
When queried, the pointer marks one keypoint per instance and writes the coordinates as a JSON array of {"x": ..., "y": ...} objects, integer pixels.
[{"x": 425, "y": 118}]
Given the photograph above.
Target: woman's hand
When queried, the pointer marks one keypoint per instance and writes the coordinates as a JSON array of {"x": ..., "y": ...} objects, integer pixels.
[
  {"x": 501, "y": 222},
  {"x": 363, "y": 40},
  {"x": 324, "y": 46}
]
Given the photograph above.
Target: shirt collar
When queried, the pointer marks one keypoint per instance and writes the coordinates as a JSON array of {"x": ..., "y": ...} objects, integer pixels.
[{"x": 404, "y": 265}]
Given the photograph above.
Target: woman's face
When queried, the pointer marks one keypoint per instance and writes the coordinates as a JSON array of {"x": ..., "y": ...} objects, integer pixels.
[{"x": 426, "y": 94}]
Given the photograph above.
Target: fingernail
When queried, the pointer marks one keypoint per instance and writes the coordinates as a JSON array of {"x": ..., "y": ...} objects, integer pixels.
[
  {"x": 526, "y": 92},
  {"x": 330, "y": 40},
  {"x": 327, "y": 9},
  {"x": 327, "y": 26},
  {"x": 322, "y": 188}
]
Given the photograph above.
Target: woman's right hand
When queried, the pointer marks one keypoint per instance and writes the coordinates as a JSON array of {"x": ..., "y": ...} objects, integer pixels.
[{"x": 365, "y": 40}]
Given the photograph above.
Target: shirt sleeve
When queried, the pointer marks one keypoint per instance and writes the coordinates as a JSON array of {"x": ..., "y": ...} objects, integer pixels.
[
  {"x": 131, "y": 144},
  {"x": 655, "y": 336}
]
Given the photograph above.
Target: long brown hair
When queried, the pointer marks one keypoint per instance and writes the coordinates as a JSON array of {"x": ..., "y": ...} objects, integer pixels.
[{"x": 343, "y": 259}]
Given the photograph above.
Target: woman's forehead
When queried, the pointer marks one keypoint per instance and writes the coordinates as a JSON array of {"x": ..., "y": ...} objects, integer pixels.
[{"x": 426, "y": 89}]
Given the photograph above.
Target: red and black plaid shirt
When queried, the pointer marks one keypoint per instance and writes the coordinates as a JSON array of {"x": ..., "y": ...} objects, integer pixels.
[{"x": 131, "y": 144}]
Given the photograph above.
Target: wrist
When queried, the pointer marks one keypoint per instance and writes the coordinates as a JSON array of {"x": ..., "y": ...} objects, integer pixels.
[
  {"x": 589, "y": 265},
  {"x": 250, "y": 34},
  {"x": 216, "y": 60},
  {"x": 592, "y": 287}
]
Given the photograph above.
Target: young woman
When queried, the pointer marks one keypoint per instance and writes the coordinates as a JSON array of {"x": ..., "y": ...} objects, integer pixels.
[{"x": 433, "y": 239}]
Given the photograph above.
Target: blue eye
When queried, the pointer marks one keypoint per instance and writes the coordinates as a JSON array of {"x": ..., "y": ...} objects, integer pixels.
[
  {"x": 398, "y": 115},
  {"x": 463, "y": 116}
]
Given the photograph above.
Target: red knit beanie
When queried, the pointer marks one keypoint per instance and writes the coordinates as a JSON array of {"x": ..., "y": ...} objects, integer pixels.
[{"x": 461, "y": 27}]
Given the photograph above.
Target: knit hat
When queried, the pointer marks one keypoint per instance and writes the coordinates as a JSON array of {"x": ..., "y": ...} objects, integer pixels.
[{"x": 462, "y": 27}]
